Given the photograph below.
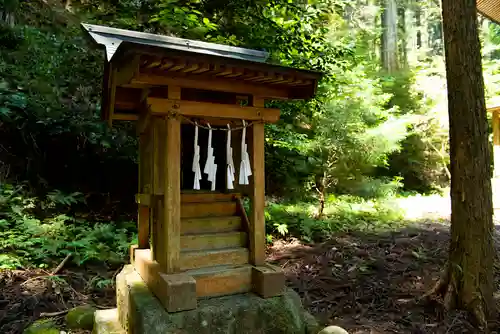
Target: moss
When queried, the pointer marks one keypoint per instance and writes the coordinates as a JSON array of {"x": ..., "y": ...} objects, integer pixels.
[
  {"x": 236, "y": 314},
  {"x": 44, "y": 326},
  {"x": 81, "y": 317}
]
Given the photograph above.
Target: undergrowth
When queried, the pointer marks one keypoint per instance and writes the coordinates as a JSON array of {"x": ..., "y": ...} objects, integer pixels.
[
  {"x": 39, "y": 232},
  {"x": 342, "y": 214}
]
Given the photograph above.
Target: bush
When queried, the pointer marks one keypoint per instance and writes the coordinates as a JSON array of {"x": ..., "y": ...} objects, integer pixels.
[
  {"x": 30, "y": 240},
  {"x": 343, "y": 213}
]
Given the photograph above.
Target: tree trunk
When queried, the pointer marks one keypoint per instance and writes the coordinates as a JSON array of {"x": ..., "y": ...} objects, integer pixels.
[
  {"x": 7, "y": 13},
  {"x": 468, "y": 280},
  {"x": 389, "y": 47},
  {"x": 418, "y": 23},
  {"x": 321, "y": 189},
  {"x": 403, "y": 54}
]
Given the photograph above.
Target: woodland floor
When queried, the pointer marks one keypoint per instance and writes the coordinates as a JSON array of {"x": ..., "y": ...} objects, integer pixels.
[
  {"x": 366, "y": 283},
  {"x": 372, "y": 283}
]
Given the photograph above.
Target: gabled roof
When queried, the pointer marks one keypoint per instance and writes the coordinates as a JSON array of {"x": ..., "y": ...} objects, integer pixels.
[
  {"x": 112, "y": 39},
  {"x": 138, "y": 61},
  {"x": 490, "y": 9}
]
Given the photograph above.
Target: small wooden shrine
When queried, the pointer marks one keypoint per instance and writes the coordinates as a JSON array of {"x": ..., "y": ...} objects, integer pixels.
[
  {"x": 200, "y": 113},
  {"x": 495, "y": 181}
]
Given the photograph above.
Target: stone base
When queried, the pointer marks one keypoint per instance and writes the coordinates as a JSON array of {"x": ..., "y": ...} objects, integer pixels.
[
  {"x": 141, "y": 313},
  {"x": 106, "y": 322}
]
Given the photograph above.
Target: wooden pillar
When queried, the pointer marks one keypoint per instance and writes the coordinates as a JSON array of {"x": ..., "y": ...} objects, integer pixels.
[
  {"x": 495, "y": 182},
  {"x": 495, "y": 122},
  {"x": 267, "y": 281},
  {"x": 112, "y": 94},
  {"x": 158, "y": 140},
  {"x": 143, "y": 197},
  {"x": 171, "y": 233},
  {"x": 257, "y": 194}
]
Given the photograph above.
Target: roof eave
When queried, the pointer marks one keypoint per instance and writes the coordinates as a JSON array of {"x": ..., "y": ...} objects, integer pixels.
[{"x": 112, "y": 38}]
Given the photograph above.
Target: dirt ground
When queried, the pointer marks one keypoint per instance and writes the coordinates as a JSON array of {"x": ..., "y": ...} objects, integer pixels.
[
  {"x": 366, "y": 283},
  {"x": 28, "y": 295},
  {"x": 373, "y": 283}
]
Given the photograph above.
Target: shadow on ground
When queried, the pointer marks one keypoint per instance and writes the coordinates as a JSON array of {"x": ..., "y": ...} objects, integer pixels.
[
  {"x": 28, "y": 295},
  {"x": 365, "y": 282},
  {"x": 372, "y": 282}
]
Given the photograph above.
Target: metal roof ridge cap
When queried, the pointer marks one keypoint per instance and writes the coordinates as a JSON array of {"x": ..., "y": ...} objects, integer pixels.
[{"x": 117, "y": 32}]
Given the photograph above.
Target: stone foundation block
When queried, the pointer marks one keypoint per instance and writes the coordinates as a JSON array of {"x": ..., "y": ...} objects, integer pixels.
[
  {"x": 106, "y": 322},
  {"x": 141, "y": 313}
]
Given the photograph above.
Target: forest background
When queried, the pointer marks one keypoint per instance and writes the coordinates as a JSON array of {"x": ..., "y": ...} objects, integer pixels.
[{"x": 376, "y": 133}]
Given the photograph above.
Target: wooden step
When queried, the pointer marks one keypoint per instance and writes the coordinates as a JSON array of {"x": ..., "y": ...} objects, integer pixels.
[
  {"x": 222, "y": 280},
  {"x": 199, "y": 197},
  {"x": 210, "y": 225},
  {"x": 211, "y": 209},
  {"x": 213, "y": 241},
  {"x": 210, "y": 258}
]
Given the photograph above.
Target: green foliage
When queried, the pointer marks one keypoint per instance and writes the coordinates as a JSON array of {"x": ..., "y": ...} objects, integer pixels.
[
  {"x": 344, "y": 213},
  {"x": 42, "y": 326},
  {"x": 365, "y": 134},
  {"x": 184, "y": 18},
  {"x": 28, "y": 240},
  {"x": 404, "y": 96},
  {"x": 337, "y": 142},
  {"x": 293, "y": 34},
  {"x": 49, "y": 112},
  {"x": 350, "y": 136},
  {"x": 58, "y": 197}
]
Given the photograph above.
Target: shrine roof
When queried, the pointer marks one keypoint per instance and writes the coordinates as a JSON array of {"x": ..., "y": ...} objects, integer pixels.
[
  {"x": 114, "y": 39},
  {"x": 490, "y": 9},
  {"x": 120, "y": 42},
  {"x": 140, "y": 63}
]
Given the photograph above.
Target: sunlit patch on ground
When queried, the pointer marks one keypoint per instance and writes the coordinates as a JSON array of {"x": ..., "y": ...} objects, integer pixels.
[
  {"x": 372, "y": 282},
  {"x": 433, "y": 207}
]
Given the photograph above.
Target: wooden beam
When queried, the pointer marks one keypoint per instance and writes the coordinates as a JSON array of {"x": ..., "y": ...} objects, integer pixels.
[
  {"x": 197, "y": 197},
  {"x": 268, "y": 281},
  {"x": 126, "y": 69},
  {"x": 493, "y": 109},
  {"x": 217, "y": 257},
  {"x": 244, "y": 217},
  {"x": 495, "y": 120},
  {"x": 180, "y": 65},
  {"x": 223, "y": 85},
  {"x": 208, "y": 241},
  {"x": 166, "y": 64},
  {"x": 112, "y": 95},
  {"x": 172, "y": 190},
  {"x": 222, "y": 281},
  {"x": 203, "y": 68},
  {"x": 125, "y": 117},
  {"x": 176, "y": 292},
  {"x": 143, "y": 226},
  {"x": 204, "y": 109},
  {"x": 143, "y": 199},
  {"x": 192, "y": 210},
  {"x": 257, "y": 194},
  {"x": 210, "y": 225}
]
